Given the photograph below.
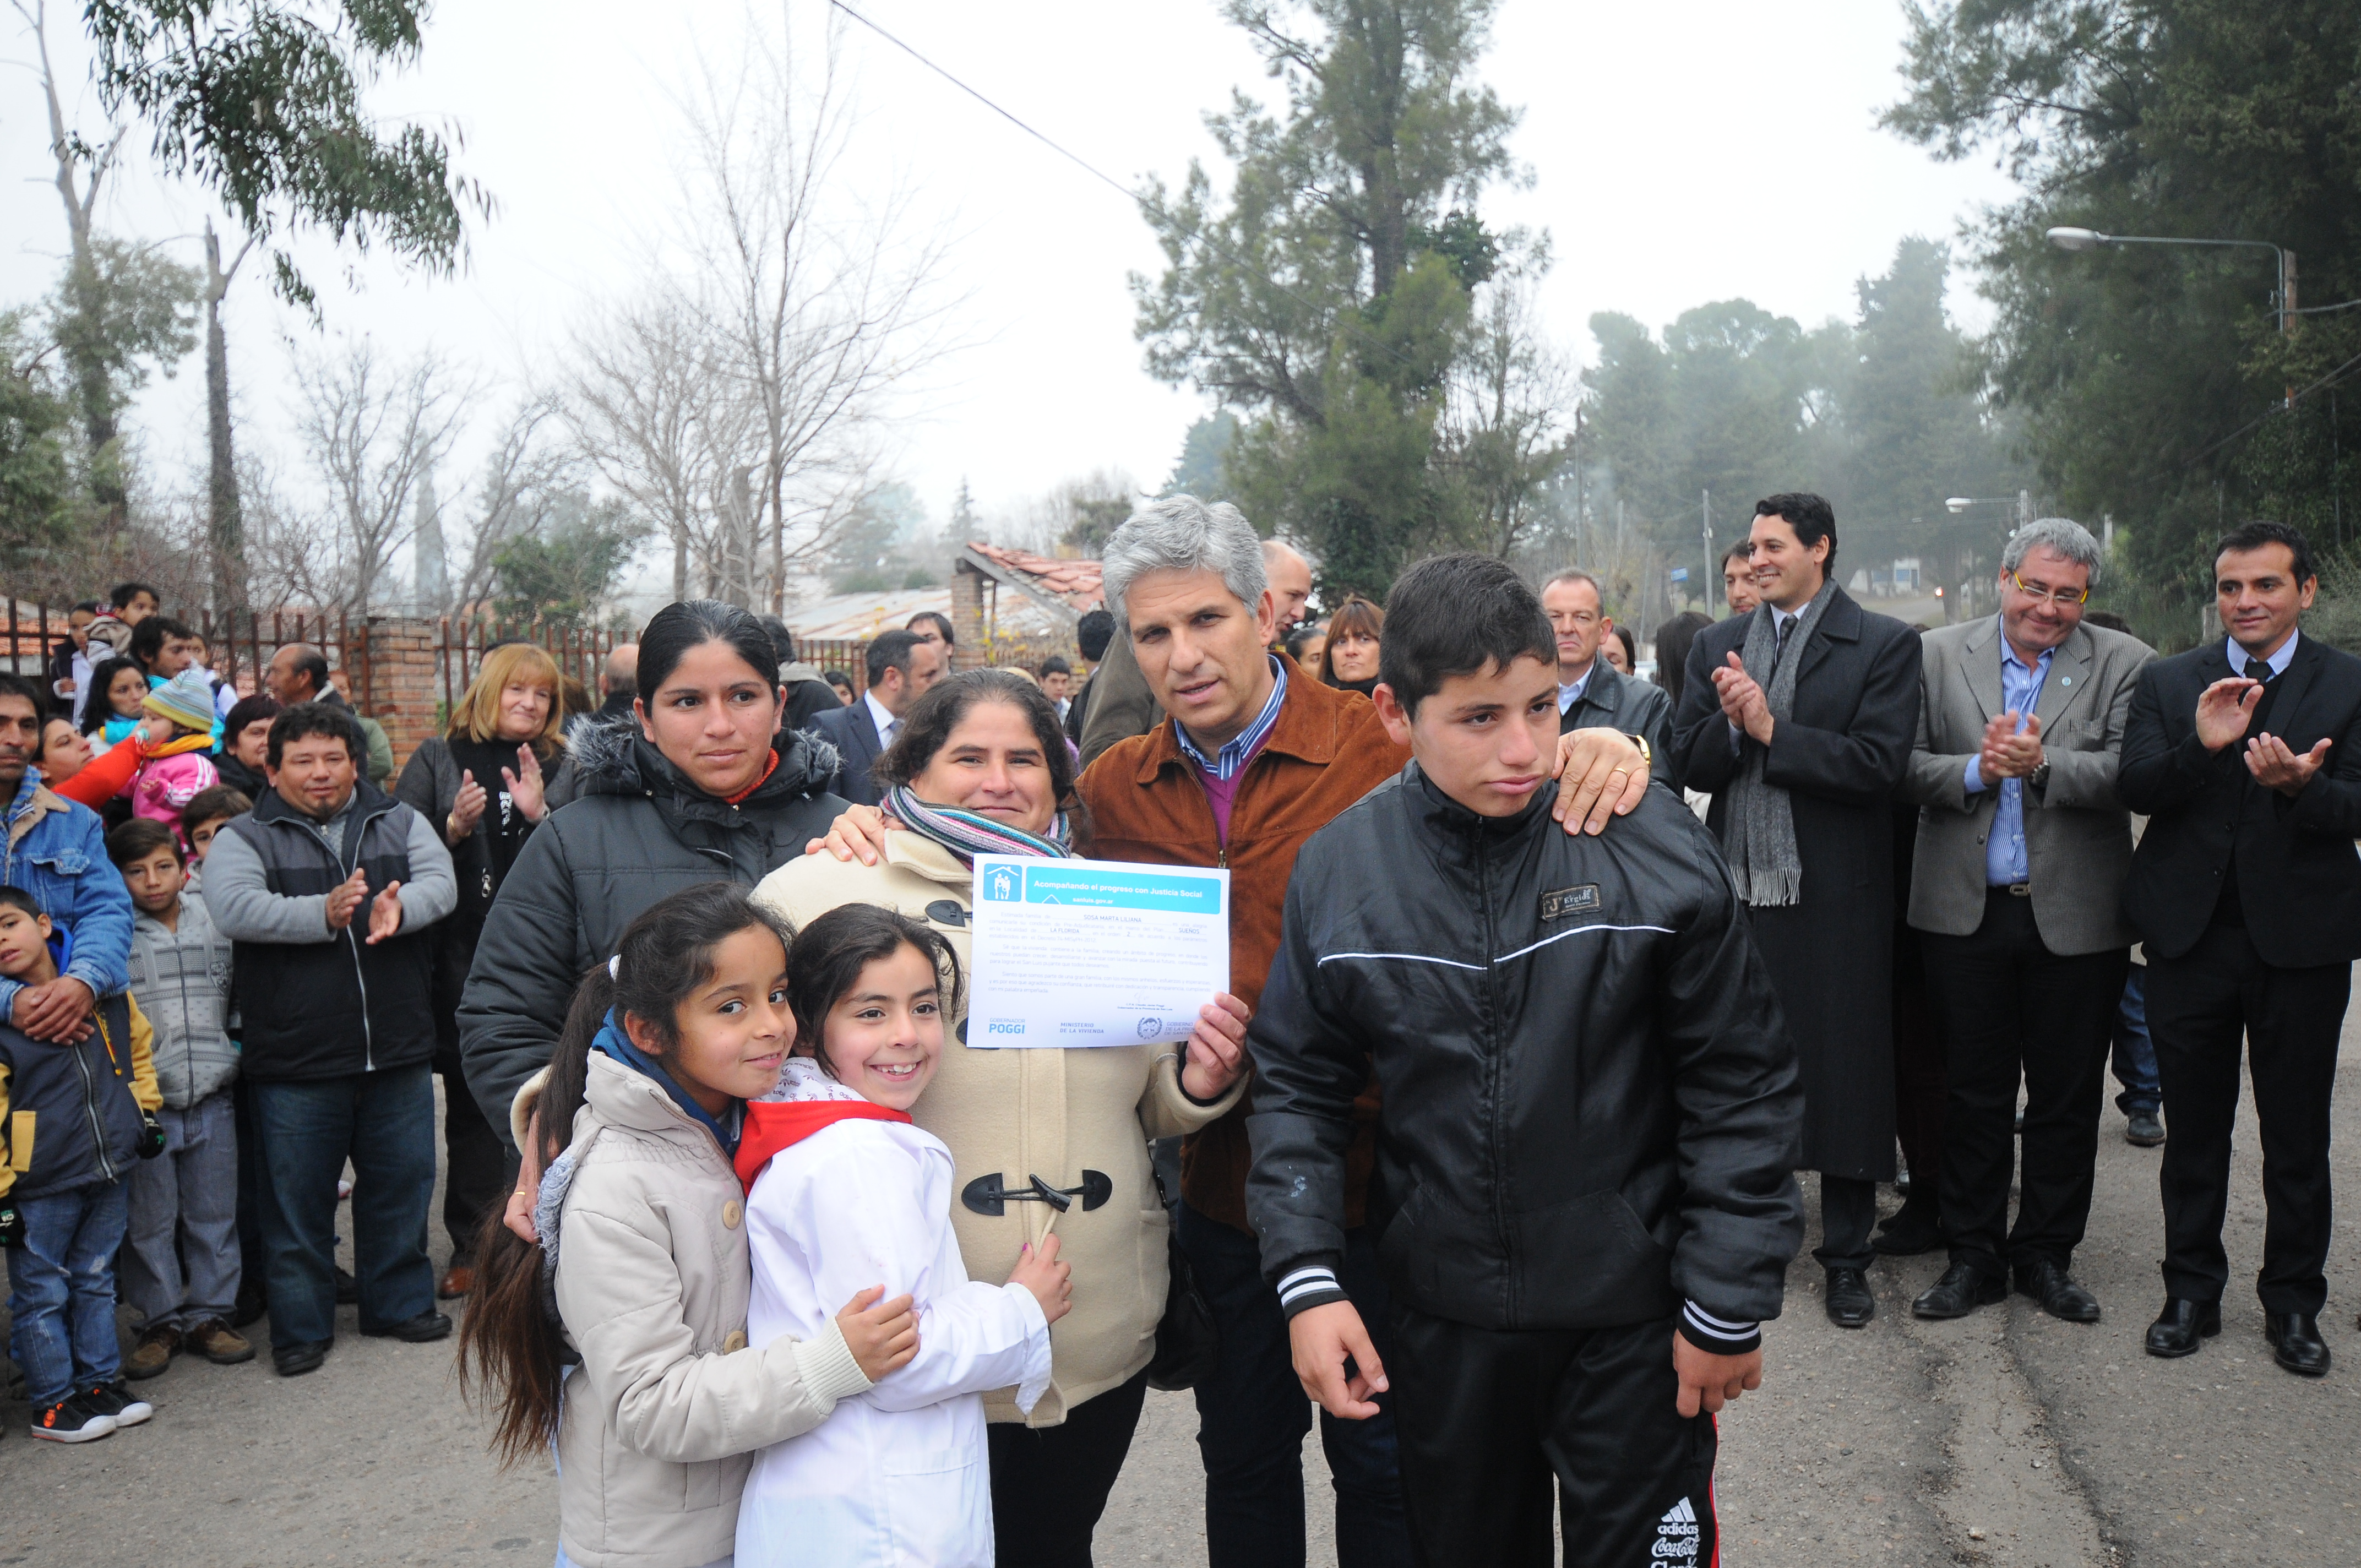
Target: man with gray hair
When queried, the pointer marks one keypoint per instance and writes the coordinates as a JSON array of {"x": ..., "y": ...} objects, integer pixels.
[
  {"x": 1255, "y": 762},
  {"x": 2023, "y": 848},
  {"x": 1122, "y": 706}
]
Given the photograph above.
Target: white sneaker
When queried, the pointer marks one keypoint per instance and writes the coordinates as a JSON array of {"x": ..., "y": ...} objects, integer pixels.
[{"x": 116, "y": 1399}]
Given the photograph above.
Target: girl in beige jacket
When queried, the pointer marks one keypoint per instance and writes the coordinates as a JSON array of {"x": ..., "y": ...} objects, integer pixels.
[
  {"x": 980, "y": 766},
  {"x": 621, "y": 1338}
]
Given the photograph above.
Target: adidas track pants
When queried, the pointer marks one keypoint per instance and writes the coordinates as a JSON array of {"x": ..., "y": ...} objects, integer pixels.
[{"x": 1485, "y": 1420}]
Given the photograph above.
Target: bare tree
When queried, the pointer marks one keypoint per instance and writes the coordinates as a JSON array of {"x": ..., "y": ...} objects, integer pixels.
[
  {"x": 817, "y": 307},
  {"x": 371, "y": 430},
  {"x": 651, "y": 412},
  {"x": 1503, "y": 433},
  {"x": 292, "y": 556},
  {"x": 521, "y": 482}
]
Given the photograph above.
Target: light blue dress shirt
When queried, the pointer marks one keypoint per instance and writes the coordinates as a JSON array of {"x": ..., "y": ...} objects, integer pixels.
[
  {"x": 2278, "y": 661},
  {"x": 1567, "y": 695},
  {"x": 2020, "y": 691}
]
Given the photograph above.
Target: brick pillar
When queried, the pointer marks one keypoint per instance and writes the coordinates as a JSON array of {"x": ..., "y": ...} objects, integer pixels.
[
  {"x": 400, "y": 659},
  {"x": 968, "y": 588}
]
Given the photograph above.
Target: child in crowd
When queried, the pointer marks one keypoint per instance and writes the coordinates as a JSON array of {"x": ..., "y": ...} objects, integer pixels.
[
  {"x": 78, "y": 1119},
  {"x": 639, "y": 1283},
  {"x": 844, "y": 1190},
  {"x": 207, "y": 813},
  {"x": 181, "y": 1260},
  {"x": 177, "y": 770}
]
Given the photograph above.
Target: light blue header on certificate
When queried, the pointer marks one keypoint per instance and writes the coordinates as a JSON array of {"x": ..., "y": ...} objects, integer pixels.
[{"x": 1100, "y": 886}]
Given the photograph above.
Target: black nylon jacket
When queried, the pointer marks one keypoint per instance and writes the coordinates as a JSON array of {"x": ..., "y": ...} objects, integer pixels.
[
  {"x": 634, "y": 831},
  {"x": 1591, "y": 1104}
]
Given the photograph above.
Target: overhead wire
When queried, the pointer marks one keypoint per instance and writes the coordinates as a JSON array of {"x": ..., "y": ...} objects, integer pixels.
[{"x": 1137, "y": 200}]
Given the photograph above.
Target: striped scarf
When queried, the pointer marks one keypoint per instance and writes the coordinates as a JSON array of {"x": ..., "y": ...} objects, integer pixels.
[{"x": 967, "y": 835}]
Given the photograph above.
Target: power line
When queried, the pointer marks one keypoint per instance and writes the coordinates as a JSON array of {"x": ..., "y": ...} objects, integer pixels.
[{"x": 1199, "y": 235}]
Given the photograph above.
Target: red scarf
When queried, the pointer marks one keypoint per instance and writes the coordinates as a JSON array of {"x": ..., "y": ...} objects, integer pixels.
[{"x": 774, "y": 1125}]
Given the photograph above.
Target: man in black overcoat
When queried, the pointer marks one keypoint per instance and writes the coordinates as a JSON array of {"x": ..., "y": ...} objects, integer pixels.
[
  {"x": 2245, "y": 755},
  {"x": 1798, "y": 718}
]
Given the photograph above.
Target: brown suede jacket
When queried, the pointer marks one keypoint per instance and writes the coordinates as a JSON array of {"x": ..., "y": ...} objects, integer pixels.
[{"x": 1327, "y": 751}]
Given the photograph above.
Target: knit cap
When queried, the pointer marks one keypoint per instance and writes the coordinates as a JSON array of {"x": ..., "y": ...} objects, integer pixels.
[{"x": 187, "y": 699}]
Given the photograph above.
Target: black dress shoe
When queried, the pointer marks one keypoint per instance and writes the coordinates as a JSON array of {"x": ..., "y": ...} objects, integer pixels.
[
  {"x": 2059, "y": 1295},
  {"x": 1913, "y": 1229},
  {"x": 2145, "y": 1128},
  {"x": 428, "y": 1325},
  {"x": 1850, "y": 1306},
  {"x": 348, "y": 1289},
  {"x": 2182, "y": 1325},
  {"x": 2296, "y": 1344},
  {"x": 294, "y": 1360},
  {"x": 1961, "y": 1290}
]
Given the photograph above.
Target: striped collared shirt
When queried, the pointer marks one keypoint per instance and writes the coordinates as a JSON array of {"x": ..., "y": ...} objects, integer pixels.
[{"x": 1224, "y": 764}]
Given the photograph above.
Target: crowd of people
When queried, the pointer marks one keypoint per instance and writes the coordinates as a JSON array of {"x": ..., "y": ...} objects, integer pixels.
[{"x": 1547, "y": 980}]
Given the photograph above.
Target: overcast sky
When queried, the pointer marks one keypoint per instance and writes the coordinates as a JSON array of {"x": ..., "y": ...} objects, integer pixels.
[{"x": 1682, "y": 153}]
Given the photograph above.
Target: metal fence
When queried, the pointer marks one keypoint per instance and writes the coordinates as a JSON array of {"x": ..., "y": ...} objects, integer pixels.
[{"x": 239, "y": 645}]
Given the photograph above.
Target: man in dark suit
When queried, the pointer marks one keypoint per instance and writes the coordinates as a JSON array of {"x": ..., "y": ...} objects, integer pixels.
[
  {"x": 901, "y": 665},
  {"x": 1798, "y": 718},
  {"x": 2246, "y": 756},
  {"x": 1591, "y": 693}
]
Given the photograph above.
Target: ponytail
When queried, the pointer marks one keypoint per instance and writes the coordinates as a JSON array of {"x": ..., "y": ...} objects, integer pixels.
[{"x": 512, "y": 1348}]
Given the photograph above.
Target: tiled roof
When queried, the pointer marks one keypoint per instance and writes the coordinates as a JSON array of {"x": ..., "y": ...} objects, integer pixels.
[{"x": 1075, "y": 582}]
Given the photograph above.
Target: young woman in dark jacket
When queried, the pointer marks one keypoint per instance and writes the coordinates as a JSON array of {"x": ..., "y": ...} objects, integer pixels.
[
  {"x": 480, "y": 785},
  {"x": 701, "y": 785}
]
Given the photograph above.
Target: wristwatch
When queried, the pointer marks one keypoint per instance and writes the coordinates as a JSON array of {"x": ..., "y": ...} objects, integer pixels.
[
  {"x": 2039, "y": 778},
  {"x": 1647, "y": 752}
]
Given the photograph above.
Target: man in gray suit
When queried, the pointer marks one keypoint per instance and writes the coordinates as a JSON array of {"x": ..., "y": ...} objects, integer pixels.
[{"x": 2023, "y": 848}]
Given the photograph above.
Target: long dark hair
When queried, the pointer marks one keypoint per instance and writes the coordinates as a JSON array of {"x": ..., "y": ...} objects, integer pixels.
[
  {"x": 512, "y": 1350},
  {"x": 95, "y": 709},
  {"x": 1673, "y": 640},
  {"x": 684, "y": 624},
  {"x": 826, "y": 961},
  {"x": 927, "y": 727}
]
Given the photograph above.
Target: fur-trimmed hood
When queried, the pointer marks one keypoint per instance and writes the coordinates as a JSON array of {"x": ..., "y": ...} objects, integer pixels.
[{"x": 611, "y": 758}]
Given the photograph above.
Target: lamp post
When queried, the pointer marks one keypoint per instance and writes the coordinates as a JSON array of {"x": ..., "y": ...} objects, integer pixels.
[
  {"x": 2091, "y": 239},
  {"x": 2020, "y": 507}
]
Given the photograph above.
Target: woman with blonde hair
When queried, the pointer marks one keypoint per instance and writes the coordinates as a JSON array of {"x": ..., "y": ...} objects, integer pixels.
[{"x": 481, "y": 781}]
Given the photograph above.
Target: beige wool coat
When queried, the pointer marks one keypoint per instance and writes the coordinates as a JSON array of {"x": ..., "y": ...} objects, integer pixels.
[
  {"x": 1051, "y": 1111},
  {"x": 663, "y": 1415}
]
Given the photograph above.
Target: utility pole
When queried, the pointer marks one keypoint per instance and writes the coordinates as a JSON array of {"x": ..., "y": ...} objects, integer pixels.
[
  {"x": 1705, "y": 508},
  {"x": 1579, "y": 529}
]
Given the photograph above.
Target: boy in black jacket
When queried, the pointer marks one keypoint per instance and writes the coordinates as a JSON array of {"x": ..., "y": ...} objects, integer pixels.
[{"x": 1590, "y": 1115}]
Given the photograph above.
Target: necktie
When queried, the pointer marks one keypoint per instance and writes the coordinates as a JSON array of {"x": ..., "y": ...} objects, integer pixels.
[
  {"x": 2258, "y": 669},
  {"x": 1779, "y": 650}
]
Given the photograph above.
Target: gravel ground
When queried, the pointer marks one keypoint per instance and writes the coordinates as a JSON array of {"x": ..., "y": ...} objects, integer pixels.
[{"x": 2007, "y": 1438}]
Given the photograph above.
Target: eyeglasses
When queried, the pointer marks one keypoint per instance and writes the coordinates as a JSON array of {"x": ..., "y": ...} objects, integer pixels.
[{"x": 2061, "y": 598}]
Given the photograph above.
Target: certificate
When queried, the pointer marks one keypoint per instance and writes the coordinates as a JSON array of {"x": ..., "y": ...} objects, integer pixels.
[{"x": 1094, "y": 952}]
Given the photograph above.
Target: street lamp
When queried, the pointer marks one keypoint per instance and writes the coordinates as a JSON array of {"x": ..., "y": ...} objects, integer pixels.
[
  {"x": 2091, "y": 239},
  {"x": 2021, "y": 502}
]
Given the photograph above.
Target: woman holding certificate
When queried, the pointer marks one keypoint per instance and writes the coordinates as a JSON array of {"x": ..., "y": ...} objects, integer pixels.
[{"x": 981, "y": 767}]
